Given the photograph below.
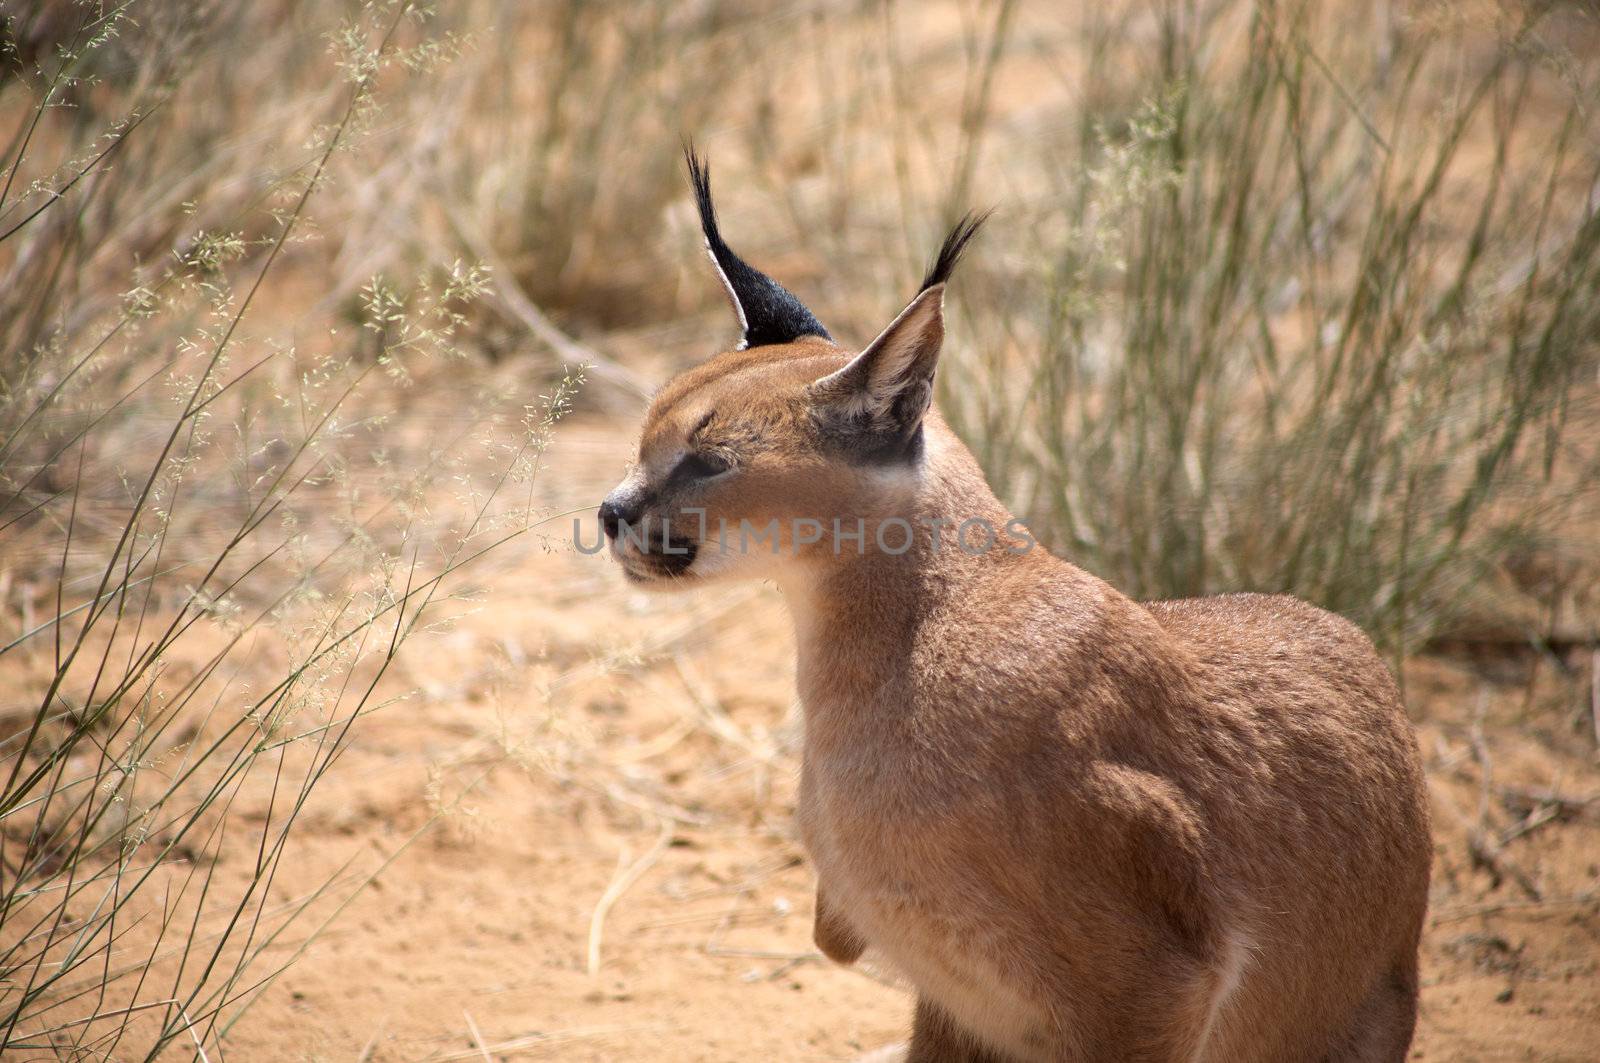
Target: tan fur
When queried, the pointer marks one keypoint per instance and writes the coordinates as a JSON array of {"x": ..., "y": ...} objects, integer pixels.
[{"x": 1086, "y": 828}]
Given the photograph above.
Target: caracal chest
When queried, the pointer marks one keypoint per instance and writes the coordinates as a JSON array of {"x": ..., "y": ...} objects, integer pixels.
[{"x": 899, "y": 854}]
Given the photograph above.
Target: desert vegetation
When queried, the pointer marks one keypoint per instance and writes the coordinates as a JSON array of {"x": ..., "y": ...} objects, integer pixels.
[{"x": 320, "y": 322}]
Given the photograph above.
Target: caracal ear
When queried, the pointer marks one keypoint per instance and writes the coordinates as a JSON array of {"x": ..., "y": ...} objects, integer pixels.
[
  {"x": 885, "y": 390},
  {"x": 889, "y": 385},
  {"x": 768, "y": 312}
]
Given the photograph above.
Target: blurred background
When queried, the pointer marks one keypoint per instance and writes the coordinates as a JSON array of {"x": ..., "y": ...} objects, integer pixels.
[{"x": 321, "y": 323}]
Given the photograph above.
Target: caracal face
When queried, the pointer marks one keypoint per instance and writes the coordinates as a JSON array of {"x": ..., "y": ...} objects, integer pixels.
[{"x": 743, "y": 471}]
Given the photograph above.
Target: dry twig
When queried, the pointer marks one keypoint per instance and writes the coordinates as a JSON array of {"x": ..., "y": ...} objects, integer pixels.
[
  {"x": 628, "y": 389},
  {"x": 620, "y": 883}
]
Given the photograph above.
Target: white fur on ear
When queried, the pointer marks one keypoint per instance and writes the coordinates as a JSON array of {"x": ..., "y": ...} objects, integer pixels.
[
  {"x": 733, "y": 296},
  {"x": 902, "y": 358}
]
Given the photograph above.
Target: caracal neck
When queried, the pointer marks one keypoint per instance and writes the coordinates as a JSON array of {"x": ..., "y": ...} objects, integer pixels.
[{"x": 859, "y": 616}]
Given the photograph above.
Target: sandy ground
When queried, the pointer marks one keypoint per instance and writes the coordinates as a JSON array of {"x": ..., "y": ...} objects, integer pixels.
[{"x": 578, "y": 746}]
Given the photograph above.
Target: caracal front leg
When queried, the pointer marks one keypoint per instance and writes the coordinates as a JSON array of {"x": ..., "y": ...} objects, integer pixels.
[
  {"x": 837, "y": 939},
  {"x": 841, "y": 943}
]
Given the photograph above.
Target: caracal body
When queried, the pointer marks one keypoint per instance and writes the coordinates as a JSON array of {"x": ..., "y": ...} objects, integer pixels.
[{"x": 1085, "y": 828}]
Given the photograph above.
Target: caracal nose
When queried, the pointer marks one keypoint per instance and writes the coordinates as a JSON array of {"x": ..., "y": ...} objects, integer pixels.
[
  {"x": 619, "y": 508},
  {"x": 609, "y": 519}
]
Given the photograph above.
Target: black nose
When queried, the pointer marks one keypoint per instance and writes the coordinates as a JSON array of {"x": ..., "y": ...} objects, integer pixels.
[{"x": 618, "y": 510}]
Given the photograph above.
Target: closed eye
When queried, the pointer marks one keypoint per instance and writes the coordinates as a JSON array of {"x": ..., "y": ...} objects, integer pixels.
[{"x": 697, "y": 466}]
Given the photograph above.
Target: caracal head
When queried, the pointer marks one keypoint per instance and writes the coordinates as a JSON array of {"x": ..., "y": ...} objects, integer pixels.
[{"x": 764, "y": 456}]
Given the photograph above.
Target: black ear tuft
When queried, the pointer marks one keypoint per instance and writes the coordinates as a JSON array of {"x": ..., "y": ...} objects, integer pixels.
[
  {"x": 944, "y": 263},
  {"x": 768, "y": 313}
]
